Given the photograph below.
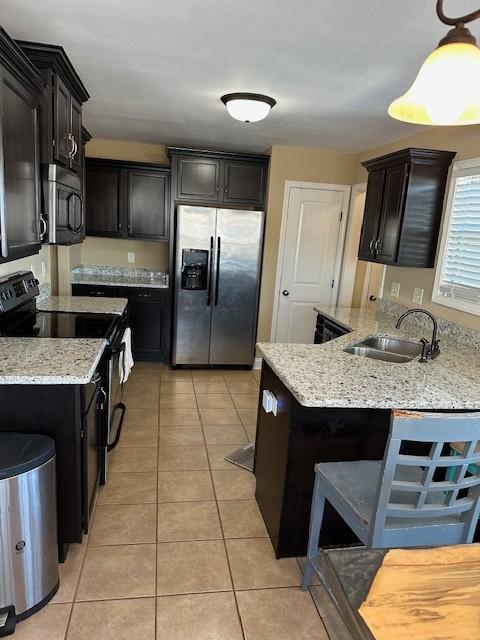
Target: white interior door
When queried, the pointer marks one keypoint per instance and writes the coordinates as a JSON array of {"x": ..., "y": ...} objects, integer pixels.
[{"x": 310, "y": 261}]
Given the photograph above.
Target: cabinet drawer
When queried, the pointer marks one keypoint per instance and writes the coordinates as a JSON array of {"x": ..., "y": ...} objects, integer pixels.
[
  {"x": 98, "y": 291},
  {"x": 145, "y": 293}
]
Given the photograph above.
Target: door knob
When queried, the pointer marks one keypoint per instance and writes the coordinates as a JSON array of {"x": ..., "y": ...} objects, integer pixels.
[
  {"x": 285, "y": 292},
  {"x": 372, "y": 298}
]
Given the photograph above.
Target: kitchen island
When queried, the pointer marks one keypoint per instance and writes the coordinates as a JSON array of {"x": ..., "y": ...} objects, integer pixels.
[{"x": 335, "y": 406}]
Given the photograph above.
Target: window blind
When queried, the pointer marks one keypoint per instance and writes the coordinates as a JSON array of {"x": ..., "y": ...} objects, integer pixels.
[{"x": 460, "y": 278}]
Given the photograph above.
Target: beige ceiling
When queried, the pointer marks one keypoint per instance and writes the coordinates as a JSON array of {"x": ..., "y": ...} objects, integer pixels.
[{"x": 156, "y": 68}]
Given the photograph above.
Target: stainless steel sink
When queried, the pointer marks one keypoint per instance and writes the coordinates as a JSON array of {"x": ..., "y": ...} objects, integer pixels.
[{"x": 385, "y": 348}]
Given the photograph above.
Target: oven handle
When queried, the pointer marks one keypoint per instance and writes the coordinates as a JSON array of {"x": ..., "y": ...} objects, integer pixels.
[
  {"x": 123, "y": 408},
  {"x": 115, "y": 350}
]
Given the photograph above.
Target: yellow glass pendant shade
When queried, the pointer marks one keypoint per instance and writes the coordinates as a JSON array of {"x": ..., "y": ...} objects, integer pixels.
[{"x": 446, "y": 90}]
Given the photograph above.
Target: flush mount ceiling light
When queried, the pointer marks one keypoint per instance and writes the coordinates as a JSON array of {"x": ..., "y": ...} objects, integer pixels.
[
  {"x": 248, "y": 107},
  {"x": 446, "y": 90}
]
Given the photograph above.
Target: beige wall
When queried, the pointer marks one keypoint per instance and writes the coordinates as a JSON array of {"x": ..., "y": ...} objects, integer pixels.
[
  {"x": 45, "y": 259},
  {"x": 302, "y": 164},
  {"x": 111, "y": 251},
  {"x": 466, "y": 142}
]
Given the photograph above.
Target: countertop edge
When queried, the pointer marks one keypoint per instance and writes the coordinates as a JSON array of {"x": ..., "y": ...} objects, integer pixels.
[{"x": 8, "y": 380}]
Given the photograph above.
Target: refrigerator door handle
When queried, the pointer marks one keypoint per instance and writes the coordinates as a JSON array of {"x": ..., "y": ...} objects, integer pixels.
[
  {"x": 217, "y": 280},
  {"x": 210, "y": 273}
]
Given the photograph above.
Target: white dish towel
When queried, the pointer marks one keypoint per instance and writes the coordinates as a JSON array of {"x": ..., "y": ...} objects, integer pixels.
[{"x": 125, "y": 362}]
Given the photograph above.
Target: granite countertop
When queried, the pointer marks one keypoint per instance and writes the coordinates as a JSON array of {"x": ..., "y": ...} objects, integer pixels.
[
  {"x": 325, "y": 376},
  {"x": 118, "y": 280},
  {"x": 49, "y": 360},
  {"x": 83, "y": 304}
]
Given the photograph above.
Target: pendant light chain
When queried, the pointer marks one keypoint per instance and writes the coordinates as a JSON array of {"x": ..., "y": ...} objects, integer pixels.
[{"x": 461, "y": 20}]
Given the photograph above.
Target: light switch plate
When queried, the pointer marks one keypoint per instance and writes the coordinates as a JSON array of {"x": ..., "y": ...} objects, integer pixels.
[
  {"x": 417, "y": 295},
  {"x": 395, "y": 289},
  {"x": 131, "y": 257}
]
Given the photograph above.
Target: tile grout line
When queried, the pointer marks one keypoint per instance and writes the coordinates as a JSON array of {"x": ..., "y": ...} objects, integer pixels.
[
  {"x": 156, "y": 504},
  {"x": 223, "y": 534}
]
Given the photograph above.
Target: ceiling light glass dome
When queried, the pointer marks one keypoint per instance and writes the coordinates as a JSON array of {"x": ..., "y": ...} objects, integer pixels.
[{"x": 248, "y": 107}]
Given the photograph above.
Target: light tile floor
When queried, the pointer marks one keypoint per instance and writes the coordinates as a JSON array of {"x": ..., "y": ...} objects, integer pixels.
[{"x": 178, "y": 549}]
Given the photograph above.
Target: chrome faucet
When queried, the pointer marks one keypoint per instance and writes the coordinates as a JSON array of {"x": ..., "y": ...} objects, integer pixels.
[{"x": 430, "y": 350}]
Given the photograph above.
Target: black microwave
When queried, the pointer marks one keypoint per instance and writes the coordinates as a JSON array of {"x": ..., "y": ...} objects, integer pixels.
[{"x": 63, "y": 210}]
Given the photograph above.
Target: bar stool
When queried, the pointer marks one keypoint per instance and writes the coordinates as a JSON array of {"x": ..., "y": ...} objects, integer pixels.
[{"x": 398, "y": 501}]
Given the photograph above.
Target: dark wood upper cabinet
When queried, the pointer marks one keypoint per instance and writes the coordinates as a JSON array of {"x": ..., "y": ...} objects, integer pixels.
[
  {"x": 216, "y": 177},
  {"x": 102, "y": 199},
  {"x": 147, "y": 193},
  {"x": 197, "y": 178},
  {"x": 127, "y": 200},
  {"x": 244, "y": 182},
  {"x": 373, "y": 205},
  {"x": 61, "y": 123},
  {"x": 61, "y": 107},
  {"x": 395, "y": 186},
  {"x": 76, "y": 130},
  {"x": 21, "y": 87},
  {"x": 403, "y": 207}
]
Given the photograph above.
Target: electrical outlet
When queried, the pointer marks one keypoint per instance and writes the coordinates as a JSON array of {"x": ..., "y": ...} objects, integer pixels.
[
  {"x": 395, "y": 289},
  {"x": 131, "y": 257},
  {"x": 417, "y": 296}
]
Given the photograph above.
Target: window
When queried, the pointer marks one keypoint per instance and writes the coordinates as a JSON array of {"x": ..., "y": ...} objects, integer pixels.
[{"x": 457, "y": 279}]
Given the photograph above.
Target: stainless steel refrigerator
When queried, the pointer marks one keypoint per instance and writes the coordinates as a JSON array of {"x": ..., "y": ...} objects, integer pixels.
[{"x": 217, "y": 275}]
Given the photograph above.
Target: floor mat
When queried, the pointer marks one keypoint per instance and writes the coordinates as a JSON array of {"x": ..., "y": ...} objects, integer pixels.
[{"x": 243, "y": 457}]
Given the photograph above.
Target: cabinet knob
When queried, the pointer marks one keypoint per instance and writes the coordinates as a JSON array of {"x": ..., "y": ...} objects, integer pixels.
[
  {"x": 372, "y": 298},
  {"x": 285, "y": 293}
]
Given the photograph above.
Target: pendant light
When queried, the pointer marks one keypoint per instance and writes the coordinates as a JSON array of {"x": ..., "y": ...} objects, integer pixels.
[
  {"x": 446, "y": 90},
  {"x": 248, "y": 107}
]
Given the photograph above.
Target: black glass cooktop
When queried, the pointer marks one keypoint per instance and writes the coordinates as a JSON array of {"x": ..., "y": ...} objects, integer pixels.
[{"x": 46, "y": 324}]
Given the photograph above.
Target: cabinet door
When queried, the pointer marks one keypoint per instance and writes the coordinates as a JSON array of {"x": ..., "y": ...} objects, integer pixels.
[
  {"x": 391, "y": 214},
  {"x": 76, "y": 131},
  {"x": 198, "y": 179},
  {"x": 19, "y": 171},
  {"x": 244, "y": 182},
  {"x": 103, "y": 201},
  {"x": 91, "y": 457},
  {"x": 371, "y": 216},
  {"x": 147, "y": 205},
  {"x": 62, "y": 119},
  {"x": 147, "y": 321}
]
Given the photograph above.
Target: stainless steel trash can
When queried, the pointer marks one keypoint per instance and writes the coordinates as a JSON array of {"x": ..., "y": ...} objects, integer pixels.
[{"x": 28, "y": 527}]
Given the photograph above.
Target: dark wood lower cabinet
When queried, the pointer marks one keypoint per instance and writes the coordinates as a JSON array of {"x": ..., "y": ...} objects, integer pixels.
[
  {"x": 148, "y": 317},
  {"x": 71, "y": 415},
  {"x": 287, "y": 449}
]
